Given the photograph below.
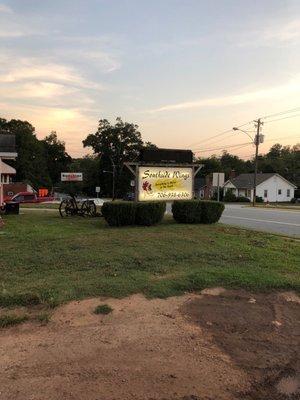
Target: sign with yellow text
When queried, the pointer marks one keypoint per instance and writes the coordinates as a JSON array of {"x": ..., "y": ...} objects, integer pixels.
[{"x": 165, "y": 183}]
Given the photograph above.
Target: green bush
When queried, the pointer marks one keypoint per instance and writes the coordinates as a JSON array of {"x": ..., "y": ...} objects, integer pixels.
[
  {"x": 187, "y": 211},
  {"x": 259, "y": 199},
  {"x": 119, "y": 213},
  {"x": 243, "y": 199},
  {"x": 149, "y": 213},
  {"x": 197, "y": 211},
  {"x": 229, "y": 196},
  {"x": 211, "y": 211}
]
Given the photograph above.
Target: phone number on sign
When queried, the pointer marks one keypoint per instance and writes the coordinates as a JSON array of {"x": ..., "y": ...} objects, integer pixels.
[{"x": 173, "y": 195}]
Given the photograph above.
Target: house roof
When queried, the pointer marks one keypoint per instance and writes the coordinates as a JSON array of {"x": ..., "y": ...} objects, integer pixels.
[
  {"x": 6, "y": 169},
  {"x": 246, "y": 181}
]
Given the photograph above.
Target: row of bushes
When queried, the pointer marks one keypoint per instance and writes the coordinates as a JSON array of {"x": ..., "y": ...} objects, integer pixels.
[
  {"x": 231, "y": 198},
  {"x": 120, "y": 213}
]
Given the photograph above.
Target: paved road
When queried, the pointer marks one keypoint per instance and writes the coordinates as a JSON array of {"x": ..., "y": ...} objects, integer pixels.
[{"x": 286, "y": 222}]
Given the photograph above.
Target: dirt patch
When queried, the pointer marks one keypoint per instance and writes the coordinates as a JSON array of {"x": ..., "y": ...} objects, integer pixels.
[
  {"x": 206, "y": 347},
  {"x": 260, "y": 334}
]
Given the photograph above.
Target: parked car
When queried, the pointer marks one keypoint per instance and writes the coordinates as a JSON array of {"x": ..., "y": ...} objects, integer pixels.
[
  {"x": 29, "y": 197},
  {"x": 130, "y": 196}
]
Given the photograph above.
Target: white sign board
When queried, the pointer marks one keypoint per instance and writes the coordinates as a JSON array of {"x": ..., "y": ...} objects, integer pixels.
[
  {"x": 218, "y": 179},
  {"x": 97, "y": 189},
  {"x": 71, "y": 176},
  {"x": 165, "y": 183}
]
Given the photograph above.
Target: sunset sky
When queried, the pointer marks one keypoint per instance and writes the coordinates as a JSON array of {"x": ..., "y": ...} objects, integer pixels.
[{"x": 184, "y": 71}]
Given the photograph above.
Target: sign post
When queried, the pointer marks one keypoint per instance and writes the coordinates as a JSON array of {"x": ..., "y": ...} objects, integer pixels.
[
  {"x": 218, "y": 180},
  {"x": 163, "y": 182},
  {"x": 97, "y": 191}
]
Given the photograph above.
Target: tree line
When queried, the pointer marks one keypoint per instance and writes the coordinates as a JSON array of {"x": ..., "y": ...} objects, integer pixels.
[{"x": 40, "y": 162}]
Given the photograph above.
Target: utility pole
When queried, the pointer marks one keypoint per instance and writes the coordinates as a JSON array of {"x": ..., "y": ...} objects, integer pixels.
[{"x": 256, "y": 142}]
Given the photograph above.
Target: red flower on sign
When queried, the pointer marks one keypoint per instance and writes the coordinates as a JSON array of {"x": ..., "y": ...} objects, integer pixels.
[{"x": 147, "y": 187}]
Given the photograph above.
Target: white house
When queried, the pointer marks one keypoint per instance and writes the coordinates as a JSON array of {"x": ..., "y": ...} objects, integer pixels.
[
  {"x": 7, "y": 152},
  {"x": 271, "y": 187}
]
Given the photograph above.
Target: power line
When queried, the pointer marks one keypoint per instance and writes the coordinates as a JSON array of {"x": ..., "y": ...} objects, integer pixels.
[
  {"x": 222, "y": 148},
  {"x": 281, "y": 112},
  {"x": 279, "y": 138},
  {"x": 215, "y": 136},
  {"x": 249, "y": 122},
  {"x": 279, "y": 119},
  {"x": 218, "y": 134}
]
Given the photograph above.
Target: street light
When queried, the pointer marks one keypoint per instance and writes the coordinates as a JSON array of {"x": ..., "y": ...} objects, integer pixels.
[{"x": 256, "y": 141}]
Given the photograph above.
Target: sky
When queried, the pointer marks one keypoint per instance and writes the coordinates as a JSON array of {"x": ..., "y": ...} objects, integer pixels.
[{"x": 184, "y": 71}]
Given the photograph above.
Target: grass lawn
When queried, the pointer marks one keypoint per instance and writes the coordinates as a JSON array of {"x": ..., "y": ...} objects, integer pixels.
[
  {"x": 48, "y": 259},
  {"x": 52, "y": 206},
  {"x": 281, "y": 206}
]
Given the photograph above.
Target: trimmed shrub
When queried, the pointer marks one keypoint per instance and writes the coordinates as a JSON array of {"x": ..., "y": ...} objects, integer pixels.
[
  {"x": 259, "y": 199},
  {"x": 229, "y": 196},
  {"x": 187, "y": 211},
  {"x": 211, "y": 211},
  {"x": 149, "y": 213},
  {"x": 197, "y": 211},
  {"x": 243, "y": 199},
  {"x": 119, "y": 213}
]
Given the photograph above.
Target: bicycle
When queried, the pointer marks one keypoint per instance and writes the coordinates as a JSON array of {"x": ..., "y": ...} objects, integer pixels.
[{"x": 70, "y": 207}]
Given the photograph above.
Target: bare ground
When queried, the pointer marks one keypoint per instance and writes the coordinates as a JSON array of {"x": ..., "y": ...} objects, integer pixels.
[{"x": 223, "y": 345}]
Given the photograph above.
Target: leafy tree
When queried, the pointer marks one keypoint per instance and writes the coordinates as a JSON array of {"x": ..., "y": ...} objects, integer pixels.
[
  {"x": 90, "y": 167},
  {"x": 284, "y": 160},
  {"x": 31, "y": 165},
  {"x": 113, "y": 145},
  {"x": 57, "y": 159}
]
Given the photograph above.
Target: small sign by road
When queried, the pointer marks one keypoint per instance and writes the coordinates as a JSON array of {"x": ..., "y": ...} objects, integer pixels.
[{"x": 71, "y": 176}]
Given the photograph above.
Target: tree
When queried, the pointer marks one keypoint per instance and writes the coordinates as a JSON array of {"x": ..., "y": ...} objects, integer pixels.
[
  {"x": 284, "y": 160},
  {"x": 57, "y": 159},
  {"x": 31, "y": 163},
  {"x": 113, "y": 145}
]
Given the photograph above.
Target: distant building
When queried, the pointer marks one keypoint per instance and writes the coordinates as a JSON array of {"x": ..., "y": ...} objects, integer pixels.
[
  {"x": 271, "y": 187},
  {"x": 12, "y": 188},
  {"x": 7, "y": 152},
  {"x": 203, "y": 187}
]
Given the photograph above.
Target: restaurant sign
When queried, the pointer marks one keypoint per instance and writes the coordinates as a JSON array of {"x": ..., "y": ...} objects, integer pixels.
[
  {"x": 165, "y": 183},
  {"x": 71, "y": 177}
]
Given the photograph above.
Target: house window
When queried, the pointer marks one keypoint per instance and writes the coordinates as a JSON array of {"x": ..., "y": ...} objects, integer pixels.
[
  {"x": 265, "y": 194},
  {"x": 288, "y": 192},
  {"x": 279, "y": 191}
]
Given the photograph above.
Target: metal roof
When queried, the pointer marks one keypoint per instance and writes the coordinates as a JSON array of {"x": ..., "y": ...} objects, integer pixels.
[
  {"x": 7, "y": 143},
  {"x": 246, "y": 181}
]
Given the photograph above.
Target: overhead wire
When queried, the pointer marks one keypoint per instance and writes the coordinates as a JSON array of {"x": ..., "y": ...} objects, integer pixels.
[
  {"x": 279, "y": 119},
  {"x": 281, "y": 112},
  {"x": 221, "y": 148},
  {"x": 249, "y": 122}
]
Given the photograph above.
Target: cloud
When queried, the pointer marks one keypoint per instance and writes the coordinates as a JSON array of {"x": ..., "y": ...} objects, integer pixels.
[
  {"x": 274, "y": 34},
  {"x": 33, "y": 70},
  {"x": 275, "y": 92},
  {"x": 5, "y": 9},
  {"x": 38, "y": 90},
  {"x": 284, "y": 33}
]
